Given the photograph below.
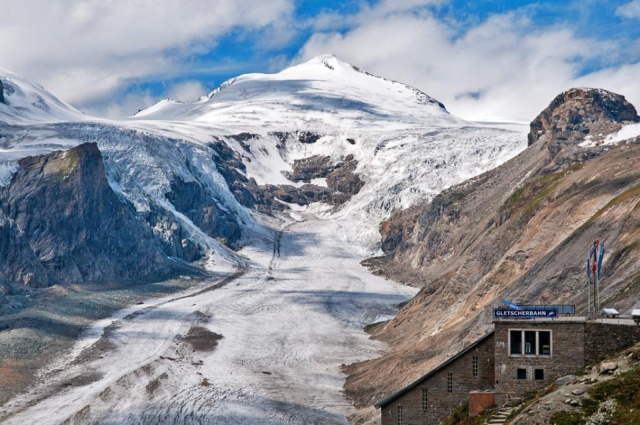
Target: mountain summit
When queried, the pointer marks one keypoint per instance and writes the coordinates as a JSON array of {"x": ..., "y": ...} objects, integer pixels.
[
  {"x": 581, "y": 112},
  {"x": 322, "y": 92},
  {"x": 24, "y": 102}
]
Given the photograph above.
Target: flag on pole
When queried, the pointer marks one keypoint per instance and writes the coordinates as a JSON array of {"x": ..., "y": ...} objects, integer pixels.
[{"x": 600, "y": 257}]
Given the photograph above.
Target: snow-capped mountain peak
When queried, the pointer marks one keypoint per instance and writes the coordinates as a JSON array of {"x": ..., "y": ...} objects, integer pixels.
[
  {"x": 321, "y": 93},
  {"x": 403, "y": 146},
  {"x": 22, "y": 101}
]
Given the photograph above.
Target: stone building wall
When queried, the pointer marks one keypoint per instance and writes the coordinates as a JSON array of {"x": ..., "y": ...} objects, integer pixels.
[
  {"x": 602, "y": 339},
  {"x": 574, "y": 344},
  {"x": 441, "y": 403},
  {"x": 567, "y": 356}
]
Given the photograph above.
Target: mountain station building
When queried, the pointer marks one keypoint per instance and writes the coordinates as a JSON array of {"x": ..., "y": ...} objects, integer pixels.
[{"x": 517, "y": 357}]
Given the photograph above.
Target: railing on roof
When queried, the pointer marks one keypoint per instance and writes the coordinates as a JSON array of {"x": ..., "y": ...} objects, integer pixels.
[{"x": 562, "y": 309}]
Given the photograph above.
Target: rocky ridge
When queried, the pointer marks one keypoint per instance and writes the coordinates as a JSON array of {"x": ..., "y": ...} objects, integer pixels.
[{"x": 519, "y": 232}]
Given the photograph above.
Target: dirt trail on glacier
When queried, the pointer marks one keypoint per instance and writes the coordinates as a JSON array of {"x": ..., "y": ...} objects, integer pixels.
[{"x": 288, "y": 321}]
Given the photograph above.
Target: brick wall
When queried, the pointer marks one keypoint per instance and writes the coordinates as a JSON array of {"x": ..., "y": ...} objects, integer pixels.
[
  {"x": 441, "y": 403},
  {"x": 604, "y": 339},
  {"x": 567, "y": 357},
  {"x": 480, "y": 400}
]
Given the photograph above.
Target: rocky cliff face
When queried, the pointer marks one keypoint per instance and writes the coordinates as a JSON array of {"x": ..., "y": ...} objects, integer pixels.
[
  {"x": 342, "y": 182},
  {"x": 62, "y": 223},
  {"x": 1, "y": 92},
  {"x": 581, "y": 112},
  {"x": 192, "y": 199},
  {"x": 519, "y": 232},
  {"x": 577, "y": 115}
]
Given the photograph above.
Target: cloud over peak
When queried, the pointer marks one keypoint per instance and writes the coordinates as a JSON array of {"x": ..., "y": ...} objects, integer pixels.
[
  {"x": 86, "y": 50},
  {"x": 484, "y": 60}
]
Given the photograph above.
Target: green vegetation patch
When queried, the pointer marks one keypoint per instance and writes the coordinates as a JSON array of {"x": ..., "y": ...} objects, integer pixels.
[
  {"x": 61, "y": 168},
  {"x": 625, "y": 389},
  {"x": 619, "y": 397},
  {"x": 567, "y": 418},
  {"x": 528, "y": 197},
  {"x": 72, "y": 163}
]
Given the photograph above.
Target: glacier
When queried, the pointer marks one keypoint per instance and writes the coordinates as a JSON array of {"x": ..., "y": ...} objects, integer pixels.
[{"x": 294, "y": 310}]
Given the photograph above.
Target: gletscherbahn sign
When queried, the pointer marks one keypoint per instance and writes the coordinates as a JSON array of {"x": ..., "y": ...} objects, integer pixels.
[{"x": 529, "y": 313}]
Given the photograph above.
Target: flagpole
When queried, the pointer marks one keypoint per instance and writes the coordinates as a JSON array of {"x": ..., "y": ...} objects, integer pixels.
[
  {"x": 589, "y": 298},
  {"x": 598, "y": 288}
]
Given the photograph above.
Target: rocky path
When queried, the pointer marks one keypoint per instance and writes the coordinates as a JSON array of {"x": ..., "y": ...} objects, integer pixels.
[{"x": 261, "y": 347}]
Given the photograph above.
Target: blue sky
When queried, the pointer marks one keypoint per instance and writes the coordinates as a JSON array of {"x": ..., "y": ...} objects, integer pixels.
[
  {"x": 240, "y": 52},
  {"x": 484, "y": 59}
]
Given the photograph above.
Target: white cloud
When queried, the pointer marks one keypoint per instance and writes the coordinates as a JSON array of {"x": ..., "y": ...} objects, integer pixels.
[
  {"x": 88, "y": 51},
  {"x": 188, "y": 91},
  {"x": 85, "y": 50},
  {"x": 127, "y": 105},
  {"x": 623, "y": 79},
  {"x": 629, "y": 10},
  {"x": 503, "y": 67}
]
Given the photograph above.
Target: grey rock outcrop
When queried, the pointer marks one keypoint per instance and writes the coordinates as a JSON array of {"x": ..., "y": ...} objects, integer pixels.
[
  {"x": 307, "y": 137},
  {"x": 608, "y": 367},
  {"x": 193, "y": 200},
  {"x": 342, "y": 182},
  {"x": 579, "y": 112},
  {"x": 1, "y": 92},
  {"x": 313, "y": 167},
  {"x": 565, "y": 380},
  {"x": 62, "y": 223}
]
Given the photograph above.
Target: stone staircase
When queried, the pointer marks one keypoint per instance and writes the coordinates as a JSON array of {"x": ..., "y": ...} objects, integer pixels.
[{"x": 500, "y": 416}]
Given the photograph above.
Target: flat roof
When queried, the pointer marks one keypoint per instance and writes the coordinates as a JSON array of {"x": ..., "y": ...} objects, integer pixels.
[
  {"x": 567, "y": 319},
  {"x": 623, "y": 320},
  {"x": 438, "y": 368}
]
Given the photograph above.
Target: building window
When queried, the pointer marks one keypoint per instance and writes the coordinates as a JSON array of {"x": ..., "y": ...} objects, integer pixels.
[
  {"x": 516, "y": 342},
  {"x": 539, "y": 374},
  {"x": 544, "y": 343},
  {"x": 529, "y": 343},
  {"x": 522, "y": 374},
  {"x": 450, "y": 382},
  {"x": 399, "y": 414},
  {"x": 474, "y": 367},
  {"x": 425, "y": 399}
]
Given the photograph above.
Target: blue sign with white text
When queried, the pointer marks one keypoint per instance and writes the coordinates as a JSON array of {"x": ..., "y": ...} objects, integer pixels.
[{"x": 526, "y": 313}]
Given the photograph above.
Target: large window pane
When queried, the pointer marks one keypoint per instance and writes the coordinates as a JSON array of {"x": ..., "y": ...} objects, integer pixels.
[
  {"x": 516, "y": 342},
  {"x": 544, "y": 341},
  {"x": 530, "y": 342}
]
